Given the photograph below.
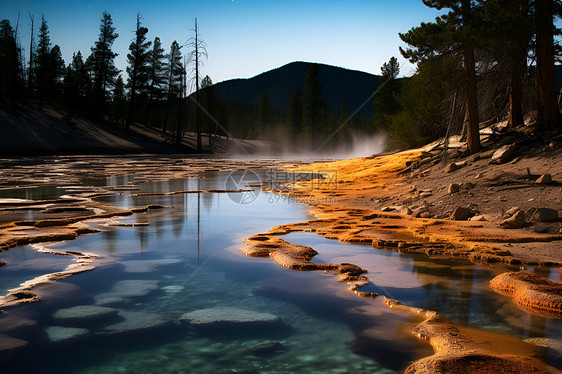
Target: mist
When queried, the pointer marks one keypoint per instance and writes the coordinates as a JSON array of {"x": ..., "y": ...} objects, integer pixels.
[{"x": 355, "y": 144}]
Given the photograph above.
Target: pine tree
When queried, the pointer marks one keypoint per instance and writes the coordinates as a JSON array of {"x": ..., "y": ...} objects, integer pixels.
[
  {"x": 548, "y": 114},
  {"x": 118, "y": 100},
  {"x": 209, "y": 102},
  {"x": 43, "y": 61},
  {"x": 452, "y": 33},
  {"x": 174, "y": 76},
  {"x": 138, "y": 69},
  {"x": 10, "y": 67},
  {"x": 156, "y": 76},
  {"x": 263, "y": 120},
  {"x": 56, "y": 72},
  {"x": 385, "y": 103},
  {"x": 101, "y": 62},
  {"x": 82, "y": 79},
  {"x": 295, "y": 113},
  {"x": 313, "y": 102},
  {"x": 504, "y": 45}
]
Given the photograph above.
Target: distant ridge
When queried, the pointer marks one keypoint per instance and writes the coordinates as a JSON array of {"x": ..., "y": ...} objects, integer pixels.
[{"x": 351, "y": 86}]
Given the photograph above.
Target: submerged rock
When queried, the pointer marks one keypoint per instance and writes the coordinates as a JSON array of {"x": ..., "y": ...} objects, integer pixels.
[
  {"x": 8, "y": 343},
  {"x": 264, "y": 348},
  {"x": 124, "y": 290},
  {"x": 59, "y": 334},
  {"x": 136, "y": 323},
  {"x": 13, "y": 324},
  {"x": 228, "y": 317},
  {"x": 84, "y": 314},
  {"x": 147, "y": 266}
]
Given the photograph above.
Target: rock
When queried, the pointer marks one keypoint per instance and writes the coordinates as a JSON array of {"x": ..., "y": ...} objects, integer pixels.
[
  {"x": 224, "y": 317},
  {"x": 406, "y": 211},
  {"x": 462, "y": 213},
  {"x": 504, "y": 154},
  {"x": 454, "y": 166},
  {"x": 426, "y": 193},
  {"x": 419, "y": 211},
  {"x": 83, "y": 314},
  {"x": 58, "y": 334},
  {"x": 137, "y": 323},
  {"x": 479, "y": 218},
  {"x": 8, "y": 343},
  {"x": 453, "y": 188},
  {"x": 2, "y": 263},
  {"x": 391, "y": 209},
  {"x": 511, "y": 211},
  {"x": 541, "y": 229},
  {"x": 468, "y": 185},
  {"x": 124, "y": 290},
  {"x": 264, "y": 348},
  {"x": 544, "y": 179},
  {"x": 426, "y": 215},
  {"x": 516, "y": 221},
  {"x": 545, "y": 215}
]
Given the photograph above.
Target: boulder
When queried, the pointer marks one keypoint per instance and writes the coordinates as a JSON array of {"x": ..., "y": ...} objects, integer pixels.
[
  {"x": 59, "y": 334},
  {"x": 504, "y": 154},
  {"x": 544, "y": 179},
  {"x": 453, "y": 188},
  {"x": 462, "y": 213},
  {"x": 226, "y": 317},
  {"x": 516, "y": 221},
  {"x": 545, "y": 215},
  {"x": 136, "y": 323},
  {"x": 83, "y": 315}
]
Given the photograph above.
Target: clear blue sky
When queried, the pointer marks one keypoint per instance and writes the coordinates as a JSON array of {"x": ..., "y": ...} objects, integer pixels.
[{"x": 244, "y": 37}]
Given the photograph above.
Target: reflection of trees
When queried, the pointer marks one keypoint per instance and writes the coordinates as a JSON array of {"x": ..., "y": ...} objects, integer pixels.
[
  {"x": 447, "y": 291},
  {"x": 178, "y": 216},
  {"x": 110, "y": 239},
  {"x": 142, "y": 234}
]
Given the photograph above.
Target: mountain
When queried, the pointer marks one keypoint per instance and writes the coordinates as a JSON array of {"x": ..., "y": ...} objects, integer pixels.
[{"x": 351, "y": 86}]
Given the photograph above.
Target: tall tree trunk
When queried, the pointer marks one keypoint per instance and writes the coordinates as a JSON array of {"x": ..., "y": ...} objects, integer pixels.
[
  {"x": 515, "y": 98},
  {"x": 518, "y": 64},
  {"x": 473, "y": 138},
  {"x": 547, "y": 109}
]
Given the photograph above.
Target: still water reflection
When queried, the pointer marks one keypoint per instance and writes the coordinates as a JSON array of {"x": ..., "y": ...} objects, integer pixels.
[{"x": 187, "y": 259}]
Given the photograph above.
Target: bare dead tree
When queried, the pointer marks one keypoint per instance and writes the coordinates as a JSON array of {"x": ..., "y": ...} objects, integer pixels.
[
  {"x": 198, "y": 51},
  {"x": 31, "y": 60}
]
